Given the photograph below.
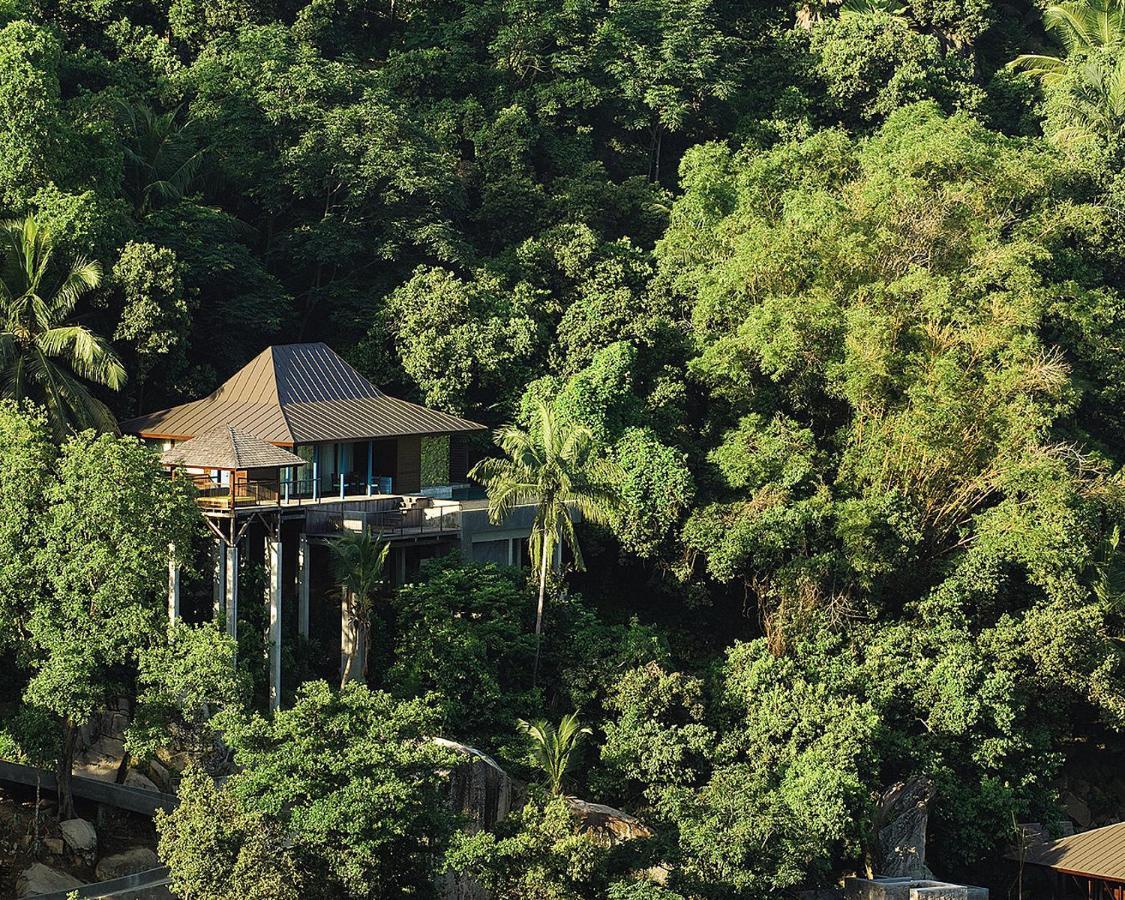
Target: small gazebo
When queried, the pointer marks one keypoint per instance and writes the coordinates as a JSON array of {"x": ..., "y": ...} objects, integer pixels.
[{"x": 254, "y": 466}]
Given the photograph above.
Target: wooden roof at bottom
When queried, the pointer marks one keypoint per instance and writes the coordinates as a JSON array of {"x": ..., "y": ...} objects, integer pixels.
[
  {"x": 1098, "y": 853},
  {"x": 228, "y": 448}
]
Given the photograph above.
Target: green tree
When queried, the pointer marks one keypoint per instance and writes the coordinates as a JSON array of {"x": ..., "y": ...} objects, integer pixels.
[
  {"x": 557, "y": 469},
  {"x": 553, "y": 748},
  {"x": 113, "y": 519},
  {"x": 27, "y": 460},
  {"x": 461, "y": 633},
  {"x": 187, "y": 684},
  {"x": 1083, "y": 26},
  {"x": 360, "y": 560},
  {"x": 43, "y": 357},
  {"x": 218, "y": 846},
  {"x": 346, "y": 789}
]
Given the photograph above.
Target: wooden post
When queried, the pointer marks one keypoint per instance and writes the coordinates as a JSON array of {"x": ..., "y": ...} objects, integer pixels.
[
  {"x": 370, "y": 465},
  {"x": 303, "y": 585},
  {"x": 273, "y": 596}
]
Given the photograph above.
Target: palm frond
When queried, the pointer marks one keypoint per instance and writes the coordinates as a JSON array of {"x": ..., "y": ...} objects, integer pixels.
[{"x": 88, "y": 354}]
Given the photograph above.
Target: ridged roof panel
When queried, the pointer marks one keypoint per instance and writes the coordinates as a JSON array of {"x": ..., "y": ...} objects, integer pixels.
[
  {"x": 298, "y": 394},
  {"x": 1098, "y": 853}
]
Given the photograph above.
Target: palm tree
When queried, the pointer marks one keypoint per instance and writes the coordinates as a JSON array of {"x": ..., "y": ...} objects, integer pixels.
[
  {"x": 1083, "y": 26},
  {"x": 162, "y": 156},
  {"x": 872, "y": 8},
  {"x": 360, "y": 561},
  {"x": 43, "y": 357},
  {"x": 555, "y": 468},
  {"x": 552, "y": 749}
]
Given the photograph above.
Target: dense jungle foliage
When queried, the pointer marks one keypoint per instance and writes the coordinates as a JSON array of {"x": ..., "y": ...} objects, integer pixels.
[{"x": 836, "y": 289}]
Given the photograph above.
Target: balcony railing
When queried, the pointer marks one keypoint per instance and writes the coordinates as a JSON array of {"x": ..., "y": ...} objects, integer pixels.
[
  {"x": 298, "y": 492},
  {"x": 388, "y": 517}
]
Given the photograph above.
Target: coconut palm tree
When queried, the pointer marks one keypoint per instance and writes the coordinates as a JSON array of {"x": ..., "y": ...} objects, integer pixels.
[
  {"x": 360, "y": 563},
  {"x": 1083, "y": 26},
  {"x": 162, "y": 156},
  {"x": 552, "y": 749},
  {"x": 557, "y": 468},
  {"x": 43, "y": 357}
]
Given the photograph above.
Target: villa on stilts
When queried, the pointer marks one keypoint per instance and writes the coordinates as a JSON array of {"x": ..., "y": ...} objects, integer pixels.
[{"x": 298, "y": 448}]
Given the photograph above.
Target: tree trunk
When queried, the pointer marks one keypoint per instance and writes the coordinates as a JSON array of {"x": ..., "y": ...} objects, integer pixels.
[
  {"x": 546, "y": 550},
  {"x": 347, "y": 639},
  {"x": 362, "y": 642},
  {"x": 63, "y": 772}
]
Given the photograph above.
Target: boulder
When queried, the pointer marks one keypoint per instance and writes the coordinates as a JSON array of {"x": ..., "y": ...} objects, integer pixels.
[
  {"x": 137, "y": 780},
  {"x": 41, "y": 879},
  {"x": 1077, "y": 809},
  {"x": 900, "y": 824},
  {"x": 101, "y": 760},
  {"x": 160, "y": 776},
  {"x": 137, "y": 859},
  {"x": 80, "y": 838},
  {"x": 612, "y": 825},
  {"x": 53, "y": 845}
]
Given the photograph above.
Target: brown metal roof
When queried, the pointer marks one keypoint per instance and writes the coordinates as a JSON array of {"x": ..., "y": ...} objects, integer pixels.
[
  {"x": 298, "y": 394},
  {"x": 1098, "y": 853},
  {"x": 228, "y": 448}
]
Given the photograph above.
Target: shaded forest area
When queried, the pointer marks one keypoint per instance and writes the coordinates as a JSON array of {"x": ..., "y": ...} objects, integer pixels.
[{"x": 837, "y": 289}]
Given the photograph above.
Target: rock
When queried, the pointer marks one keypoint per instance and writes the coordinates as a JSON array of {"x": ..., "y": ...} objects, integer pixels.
[
  {"x": 80, "y": 838},
  {"x": 479, "y": 789},
  {"x": 160, "y": 776},
  {"x": 613, "y": 825},
  {"x": 137, "y": 780},
  {"x": 137, "y": 859},
  {"x": 102, "y": 760},
  {"x": 1076, "y": 808},
  {"x": 900, "y": 826},
  {"x": 41, "y": 879},
  {"x": 53, "y": 845}
]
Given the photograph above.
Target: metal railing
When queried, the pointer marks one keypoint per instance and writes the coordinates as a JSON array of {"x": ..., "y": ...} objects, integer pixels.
[
  {"x": 304, "y": 490},
  {"x": 387, "y": 517}
]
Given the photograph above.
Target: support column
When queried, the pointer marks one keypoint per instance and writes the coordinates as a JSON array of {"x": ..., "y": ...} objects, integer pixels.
[
  {"x": 303, "y": 585},
  {"x": 273, "y": 597},
  {"x": 232, "y": 591},
  {"x": 219, "y": 577},
  {"x": 347, "y": 634},
  {"x": 173, "y": 586}
]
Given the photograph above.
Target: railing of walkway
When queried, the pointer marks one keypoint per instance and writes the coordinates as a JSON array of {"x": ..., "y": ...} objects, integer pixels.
[{"x": 386, "y": 517}]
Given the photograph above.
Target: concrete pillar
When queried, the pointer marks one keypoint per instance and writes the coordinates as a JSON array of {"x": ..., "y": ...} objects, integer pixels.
[
  {"x": 303, "y": 560},
  {"x": 273, "y": 596},
  {"x": 173, "y": 586},
  {"x": 232, "y": 591},
  {"x": 219, "y": 577}
]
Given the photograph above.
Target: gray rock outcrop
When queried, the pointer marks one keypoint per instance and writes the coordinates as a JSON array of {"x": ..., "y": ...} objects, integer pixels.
[
  {"x": 81, "y": 839},
  {"x": 900, "y": 824},
  {"x": 41, "y": 879},
  {"x": 138, "y": 859}
]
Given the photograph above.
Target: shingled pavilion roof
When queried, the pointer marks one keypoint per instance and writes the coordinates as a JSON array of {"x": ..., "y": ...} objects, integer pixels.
[
  {"x": 298, "y": 394},
  {"x": 228, "y": 448}
]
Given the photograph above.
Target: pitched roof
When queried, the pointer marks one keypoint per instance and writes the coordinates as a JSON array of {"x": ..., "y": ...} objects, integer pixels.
[
  {"x": 298, "y": 394},
  {"x": 228, "y": 448},
  {"x": 1098, "y": 853}
]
